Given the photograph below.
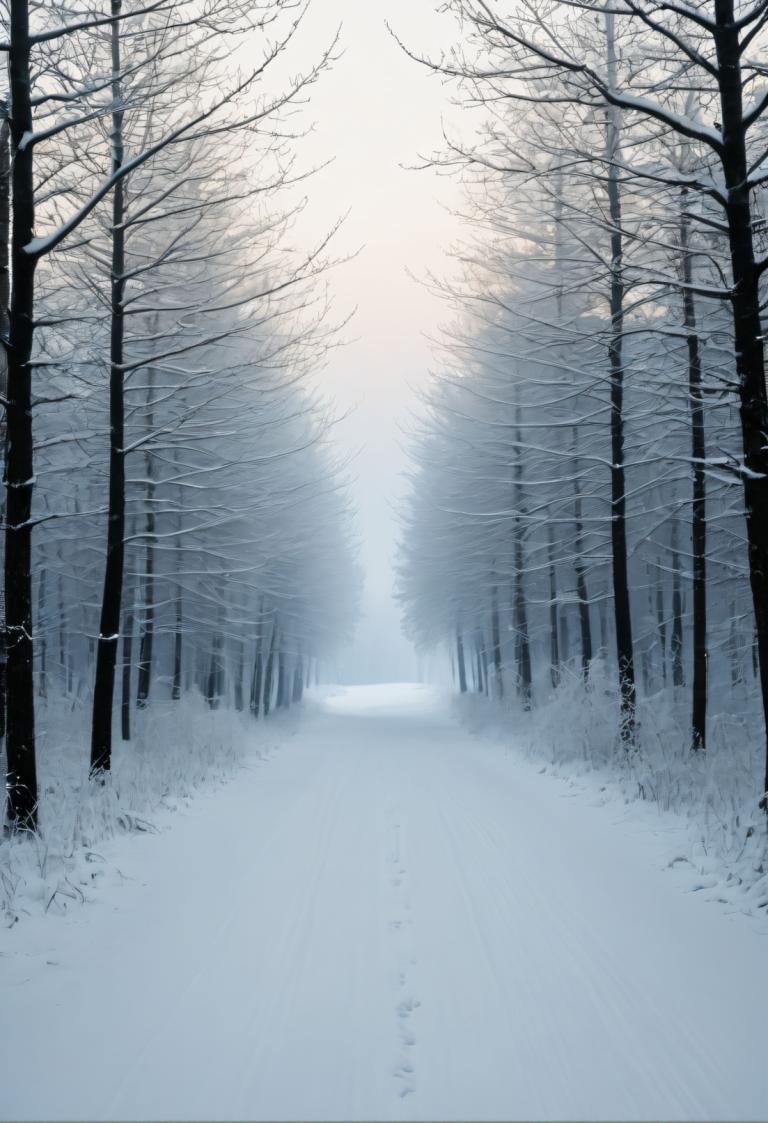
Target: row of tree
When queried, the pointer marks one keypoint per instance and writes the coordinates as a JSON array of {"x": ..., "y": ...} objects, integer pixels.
[
  {"x": 163, "y": 440},
  {"x": 591, "y": 474}
]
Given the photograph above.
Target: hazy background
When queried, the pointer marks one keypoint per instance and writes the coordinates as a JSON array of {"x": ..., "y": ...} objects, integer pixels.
[{"x": 374, "y": 111}]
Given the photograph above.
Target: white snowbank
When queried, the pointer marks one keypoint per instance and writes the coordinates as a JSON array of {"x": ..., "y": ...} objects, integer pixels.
[
  {"x": 178, "y": 749},
  {"x": 391, "y": 919},
  {"x": 716, "y": 793}
]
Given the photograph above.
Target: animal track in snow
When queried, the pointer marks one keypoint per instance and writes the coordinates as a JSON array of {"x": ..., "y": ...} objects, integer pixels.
[{"x": 401, "y": 939}]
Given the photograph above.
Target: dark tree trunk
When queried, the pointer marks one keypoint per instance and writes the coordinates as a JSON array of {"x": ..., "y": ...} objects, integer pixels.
[
  {"x": 554, "y": 639},
  {"x": 214, "y": 678},
  {"x": 5, "y": 230},
  {"x": 5, "y": 294},
  {"x": 621, "y": 599},
  {"x": 498, "y": 681},
  {"x": 602, "y": 615},
  {"x": 565, "y": 635},
  {"x": 239, "y": 672},
  {"x": 125, "y": 705},
  {"x": 484, "y": 667},
  {"x": 283, "y": 686},
  {"x": 578, "y": 518},
  {"x": 676, "y": 644},
  {"x": 748, "y": 331},
  {"x": 525, "y": 677},
  {"x": 178, "y": 633},
  {"x": 698, "y": 507},
  {"x": 147, "y": 639},
  {"x": 269, "y": 672},
  {"x": 257, "y": 678},
  {"x": 109, "y": 625},
  {"x": 585, "y": 623},
  {"x": 146, "y": 645},
  {"x": 661, "y": 623},
  {"x": 178, "y": 611},
  {"x": 649, "y": 653},
  {"x": 21, "y": 780},
  {"x": 460, "y": 662}
]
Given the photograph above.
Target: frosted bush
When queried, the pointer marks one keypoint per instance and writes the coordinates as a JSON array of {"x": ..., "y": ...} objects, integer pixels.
[
  {"x": 177, "y": 749},
  {"x": 575, "y": 731}
]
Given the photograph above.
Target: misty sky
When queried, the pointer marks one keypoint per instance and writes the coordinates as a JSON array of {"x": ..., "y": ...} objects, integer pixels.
[{"x": 374, "y": 111}]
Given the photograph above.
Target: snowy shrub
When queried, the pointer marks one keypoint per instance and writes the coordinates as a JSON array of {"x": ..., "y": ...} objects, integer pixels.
[
  {"x": 178, "y": 749},
  {"x": 575, "y": 732}
]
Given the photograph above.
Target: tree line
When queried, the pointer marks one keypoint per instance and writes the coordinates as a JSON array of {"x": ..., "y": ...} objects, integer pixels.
[
  {"x": 590, "y": 472},
  {"x": 175, "y": 516}
]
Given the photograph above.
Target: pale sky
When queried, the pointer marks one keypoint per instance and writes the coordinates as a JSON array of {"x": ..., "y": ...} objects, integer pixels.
[{"x": 374, "y": 111}]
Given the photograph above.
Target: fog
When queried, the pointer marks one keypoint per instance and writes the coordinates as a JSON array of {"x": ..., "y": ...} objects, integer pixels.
[{"x": 374, "y": 112}]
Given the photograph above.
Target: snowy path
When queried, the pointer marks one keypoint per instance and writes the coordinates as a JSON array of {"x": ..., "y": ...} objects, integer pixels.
[{"x": 390, "y": 919}]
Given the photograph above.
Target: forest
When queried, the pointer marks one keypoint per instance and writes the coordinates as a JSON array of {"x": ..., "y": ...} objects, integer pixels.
[
  {"x": 588, "y": 513},
  {"x": 175, "y": 518},
  {"x": 384, "y": 535}
]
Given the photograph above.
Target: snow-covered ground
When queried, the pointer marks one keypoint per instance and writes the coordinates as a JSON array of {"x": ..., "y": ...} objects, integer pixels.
[{"x": 391, "y": 918}]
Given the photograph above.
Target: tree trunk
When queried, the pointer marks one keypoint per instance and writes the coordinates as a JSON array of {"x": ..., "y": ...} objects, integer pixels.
[
  {"x": 239, "y": 671},
  {"x": 257, "y": 681},
  {"x": 554, "y": 639},
  {"x": 602, "y": 614},
  {"x": 484, "y": 667},
  {"x": 698, "y": 507},
  {"x": 565, "y": 635},
  {"x": 621, "y": 598},
  {"x": 146, "y": 644},
  {"x": 498, "y": 681},
  {"x": 585, "y": 623},
  {"x": 21, "y": 781},
  {"x": 283, "y": 687},
  {"x": 521, "y": 607},
  {"x": 109, "y": 625},
  {"x": 676, "y": 645},
  {"x": 179, "y": 611},
  {"x": 578, "y": 518},
  {"x": 269, "y": 672},
  {"x": 177, "y": 645},
  {"x": 214, "y": 679},
  {"x": 257, "y": 678},
  {"x": 748, "y": 333},
  {"x": 661, "y": 623},
  {"x": 5, "y": 294},
  {"x": 460, "y": 661},
  {"x": 125, "y": 705}
]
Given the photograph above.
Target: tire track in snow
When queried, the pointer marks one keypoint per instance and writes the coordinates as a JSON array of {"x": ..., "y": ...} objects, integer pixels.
[
  {"x": 389, "y": 895},
  {"x": 268, "y": 1025},
  {"x": 211, "y": 958}
]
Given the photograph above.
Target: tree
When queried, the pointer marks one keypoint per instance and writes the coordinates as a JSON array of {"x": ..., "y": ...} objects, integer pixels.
[{"x": 70, "y": 103}]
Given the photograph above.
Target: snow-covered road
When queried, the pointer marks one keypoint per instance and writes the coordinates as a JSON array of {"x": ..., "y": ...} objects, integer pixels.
[{"x": 389, "y": 919}]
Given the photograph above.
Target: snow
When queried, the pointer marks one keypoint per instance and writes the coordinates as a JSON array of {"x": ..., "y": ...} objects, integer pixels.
[
  {"x": 389, "y": 918},
  {"x": 716, "y": 829}
]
